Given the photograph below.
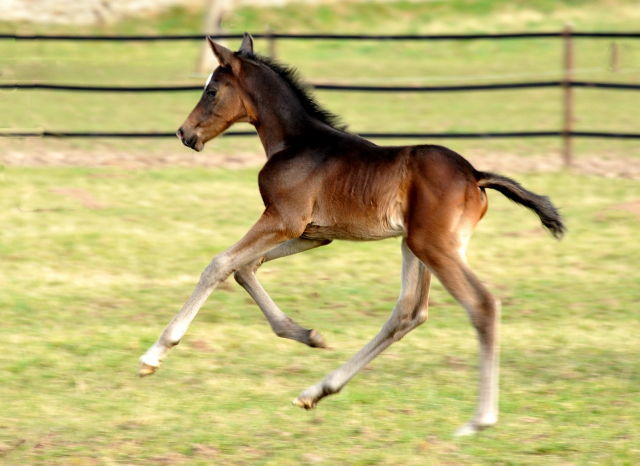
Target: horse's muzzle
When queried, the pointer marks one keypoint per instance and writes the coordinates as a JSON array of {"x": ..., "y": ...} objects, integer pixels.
[
  {"x": 180, "y": 135},
  {"x": 189, "y": 142}
]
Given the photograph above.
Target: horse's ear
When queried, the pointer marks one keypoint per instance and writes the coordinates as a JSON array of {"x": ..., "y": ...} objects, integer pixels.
[
  {"x": 247, "y": 44},
  {"x": 224, "y": 55}
]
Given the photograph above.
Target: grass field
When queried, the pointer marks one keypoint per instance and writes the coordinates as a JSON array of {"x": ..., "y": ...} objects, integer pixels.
[{"x": 96, "y": 262}]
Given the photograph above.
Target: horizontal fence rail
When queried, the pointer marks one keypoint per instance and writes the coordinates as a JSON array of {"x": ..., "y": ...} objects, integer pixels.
[
  {"x": 518, "y": 35},
  {"x": 481, "y": 135},
  {"x": 567, "y": 83},
  {"x": 330, "y": 87}
]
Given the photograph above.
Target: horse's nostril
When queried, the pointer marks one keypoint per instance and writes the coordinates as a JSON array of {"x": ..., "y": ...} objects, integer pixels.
[{"x": 189, "y": 141}]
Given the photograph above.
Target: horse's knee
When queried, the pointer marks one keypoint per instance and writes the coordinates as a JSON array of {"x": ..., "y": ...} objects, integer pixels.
[
  {"x": 217, "y": 271},
  {"x": 485, "y": 315},
  {"x": 246, "y": 271},
  {"x": 402, "y": 321}
]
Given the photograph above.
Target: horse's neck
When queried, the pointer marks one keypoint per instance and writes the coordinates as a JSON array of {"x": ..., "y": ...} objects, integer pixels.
[{"x": 278, "y": 116}]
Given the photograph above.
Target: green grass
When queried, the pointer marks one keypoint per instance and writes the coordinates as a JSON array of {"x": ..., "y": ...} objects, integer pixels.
[
  {"x": 367, "y": 62},
  {"x": 86, "y": 290}
]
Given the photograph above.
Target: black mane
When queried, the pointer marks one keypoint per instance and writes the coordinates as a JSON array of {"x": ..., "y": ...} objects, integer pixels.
[{"x": 301, "y": 90}]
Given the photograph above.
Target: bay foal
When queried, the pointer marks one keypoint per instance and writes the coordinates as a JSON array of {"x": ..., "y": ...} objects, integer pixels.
[{"x": 321, "y": 183}]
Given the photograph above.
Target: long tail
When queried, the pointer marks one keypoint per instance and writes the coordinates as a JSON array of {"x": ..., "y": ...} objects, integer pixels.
[{"x": 541, "y": 205}]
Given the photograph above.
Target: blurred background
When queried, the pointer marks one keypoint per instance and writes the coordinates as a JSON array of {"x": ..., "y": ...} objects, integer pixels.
[
  {"x": 374, "y": 62},
  {"x": 103, "y": 239}
]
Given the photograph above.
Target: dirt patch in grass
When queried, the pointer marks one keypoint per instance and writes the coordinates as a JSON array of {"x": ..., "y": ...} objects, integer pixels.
[
  {"x": 84, "y": 196},
  {"x": 169, "y": 459},
  {"x": 618, "y": 167},
  {"x": 610, "y": 167},
  {"x": 633, "y": 207},
  {"x": 6, "y": 448},
  {"x": 130, "y": 160}
]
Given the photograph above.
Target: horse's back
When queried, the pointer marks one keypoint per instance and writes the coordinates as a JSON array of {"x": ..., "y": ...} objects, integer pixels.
[{"x": 362, "y": 191}]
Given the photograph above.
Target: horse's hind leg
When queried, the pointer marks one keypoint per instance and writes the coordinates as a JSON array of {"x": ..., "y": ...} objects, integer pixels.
[
  {"x": 409, "y": 312},
  {"x": 450, "y": 267},
  {"x": 282, "y": 324}
]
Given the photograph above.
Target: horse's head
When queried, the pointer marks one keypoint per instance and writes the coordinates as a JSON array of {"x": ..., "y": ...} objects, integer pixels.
[{"x": 222, "y": 102}]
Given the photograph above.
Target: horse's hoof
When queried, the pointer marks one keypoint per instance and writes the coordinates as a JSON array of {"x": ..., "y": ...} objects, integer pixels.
[
  {"x": 466, "y": 430},
  {"x": 476, "y": 426},
  {"x": 146, "y": 369},
  {"x": 316, "y": 340},
  {"x": 306, "y": 404}
]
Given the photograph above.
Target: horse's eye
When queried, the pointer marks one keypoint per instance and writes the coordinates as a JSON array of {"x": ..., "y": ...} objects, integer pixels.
[{"x": 211, "y": 92}]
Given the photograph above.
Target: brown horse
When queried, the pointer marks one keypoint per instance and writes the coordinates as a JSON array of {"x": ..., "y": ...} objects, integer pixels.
[{"x": 322, "y": 183}]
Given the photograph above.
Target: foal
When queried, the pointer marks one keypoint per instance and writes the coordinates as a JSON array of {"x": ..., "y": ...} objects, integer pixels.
[{"x": 321, "y": 183}]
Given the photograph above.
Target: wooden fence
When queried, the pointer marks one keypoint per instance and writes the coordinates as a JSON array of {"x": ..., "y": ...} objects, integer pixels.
[{"x": 567, "y": 83}]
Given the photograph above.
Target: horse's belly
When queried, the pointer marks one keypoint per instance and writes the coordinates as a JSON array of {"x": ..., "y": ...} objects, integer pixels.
[{"x": 354, "y": 231}]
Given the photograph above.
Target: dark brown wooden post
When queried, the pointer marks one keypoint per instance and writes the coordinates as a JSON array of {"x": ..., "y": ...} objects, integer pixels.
[{"x": 568, "y": 97}]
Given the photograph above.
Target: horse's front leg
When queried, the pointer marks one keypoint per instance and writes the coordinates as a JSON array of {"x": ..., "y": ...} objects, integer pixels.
[{"x": 265, "y": 235}]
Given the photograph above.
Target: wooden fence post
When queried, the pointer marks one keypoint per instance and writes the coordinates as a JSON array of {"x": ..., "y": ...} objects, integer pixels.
[
  {"x": 272, "y": 44},
  {"x": 615, "y": 58},
  {"x": 568, "y": 96},
  {"x": 212, "y": 25}
]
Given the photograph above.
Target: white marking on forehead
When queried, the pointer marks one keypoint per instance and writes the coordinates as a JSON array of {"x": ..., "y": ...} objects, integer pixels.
[{"x": 208, "y": 80}]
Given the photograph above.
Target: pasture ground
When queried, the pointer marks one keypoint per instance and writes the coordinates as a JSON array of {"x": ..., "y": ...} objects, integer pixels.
[
  {"x": 96, "y": 257},
  {"x": 97, "y": 261}
]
